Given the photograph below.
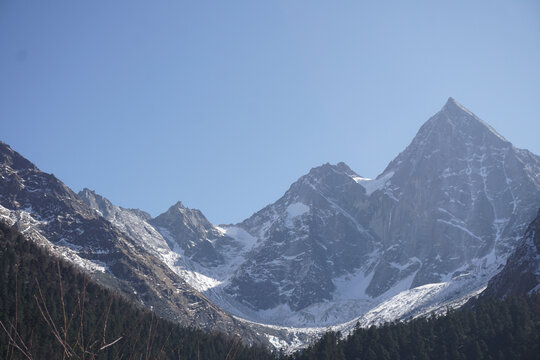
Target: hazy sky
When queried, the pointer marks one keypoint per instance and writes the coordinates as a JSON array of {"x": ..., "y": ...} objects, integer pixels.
[{"x": 223, "y": 104}]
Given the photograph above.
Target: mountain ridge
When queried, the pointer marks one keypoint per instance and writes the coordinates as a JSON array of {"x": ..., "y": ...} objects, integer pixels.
[
  {"x": 54, "y": 216},
  {"x": 426, "y": 233},
  {"x": 388, "y": 234},
  {"x": 458, "y": 179}
]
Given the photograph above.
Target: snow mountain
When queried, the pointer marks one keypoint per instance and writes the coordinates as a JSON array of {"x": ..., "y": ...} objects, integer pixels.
[
  {"x": 337, "y": 248},
  {"x": 447, "y": 212},
  {"x": 306, "y": 240},
  {"x": 114, "y": 253},
  {"x": 190, "y": 232}
]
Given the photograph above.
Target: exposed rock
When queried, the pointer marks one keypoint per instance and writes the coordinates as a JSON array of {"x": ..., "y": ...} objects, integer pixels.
[{"x": 521, "y": 274}]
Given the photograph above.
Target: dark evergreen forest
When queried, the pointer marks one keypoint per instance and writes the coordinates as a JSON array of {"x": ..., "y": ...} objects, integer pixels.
[{"x": 486, "y": 330}]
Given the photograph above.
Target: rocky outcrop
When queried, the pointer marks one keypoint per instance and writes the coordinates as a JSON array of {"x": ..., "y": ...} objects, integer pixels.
[{"x": 521, "y": 274}]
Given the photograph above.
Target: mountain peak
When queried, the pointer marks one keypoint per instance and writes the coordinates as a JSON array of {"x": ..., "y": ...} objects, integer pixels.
[
  {"x": 344, "y": 167},
  {"x": 96, "y": 201},
  {"x": 453, "y": 132},
  {"x": 327, "y": 168},
  {"x": 324, "y": 175},
  {"x": 179, "y": 205},
  {"x": 12, "y": 158},
  {"x": 88, "y": 191},
  {"x": 451, "y": 101},
  {"x": 91, "y": 195},
  {"x": 180, "y": 208},
  {"x": 455, "y": 120},
  {"x": 453, "y": 108},
  {"x": 458, "y": 115}
]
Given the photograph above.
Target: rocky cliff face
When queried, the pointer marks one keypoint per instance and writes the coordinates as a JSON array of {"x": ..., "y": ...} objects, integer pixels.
[
  {"x": 459, "y": 192},
  {"x": 188, "y": 231},
  {"x": 306, "y": 239},
  {"x": 132, "y": 222},
  {"x": 521, "y": 274},
  {"x": 452, "y": 205}
]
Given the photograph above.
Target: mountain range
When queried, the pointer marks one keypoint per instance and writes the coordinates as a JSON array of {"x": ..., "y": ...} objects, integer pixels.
[{"x": 336, "y": 249}]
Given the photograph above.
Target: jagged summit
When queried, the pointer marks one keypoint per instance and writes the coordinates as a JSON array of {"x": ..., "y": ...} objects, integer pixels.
[
  {"x": 191, "y": 231},
  {"x": 320, "y": 173},
  {"x": 91, "y": 194},
  {"x": 96, "y": 201},
  {"x": 345, "y": 169},
  {"x": 13, "y": 159},
  {"x": 179, "y": 205},
  {"x": 104, "y": 206},
  {"x": 320, "y": 180},
  {"x": 87, "y": 191},
  {"x": 341, "y": 166},
  {"x": 453, "y": 105},
  {"x": 180, "y": 211},
  {"x": 453, "y": 133},
  {"x": 462, "y": 119}
]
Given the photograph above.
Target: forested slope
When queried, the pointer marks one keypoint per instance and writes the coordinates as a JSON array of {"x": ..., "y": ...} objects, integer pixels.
[
  {"x": 492, "y": 329},
  {"x": 41, "y": 296}
]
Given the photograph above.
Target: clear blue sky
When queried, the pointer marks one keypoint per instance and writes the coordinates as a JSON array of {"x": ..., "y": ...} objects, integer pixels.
[{"x": 223, "y": 104}]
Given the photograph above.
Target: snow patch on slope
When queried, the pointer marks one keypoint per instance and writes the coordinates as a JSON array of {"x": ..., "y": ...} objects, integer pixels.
[
  {"x": 402, "y": 303},
  {"x": 29, "y": 226},
  {"x": 353, "y": 286},
  {"x": 243, "y": 238},
  {"x": 372, "y": 185},
  {"x": 296, "y": 209},
  {"x": 431, "y": 298}
]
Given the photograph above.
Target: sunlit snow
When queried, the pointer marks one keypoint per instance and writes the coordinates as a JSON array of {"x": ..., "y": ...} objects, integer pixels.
[
  {"x": 372, "y": 185},
  {"x": 297, "y": 209}
]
